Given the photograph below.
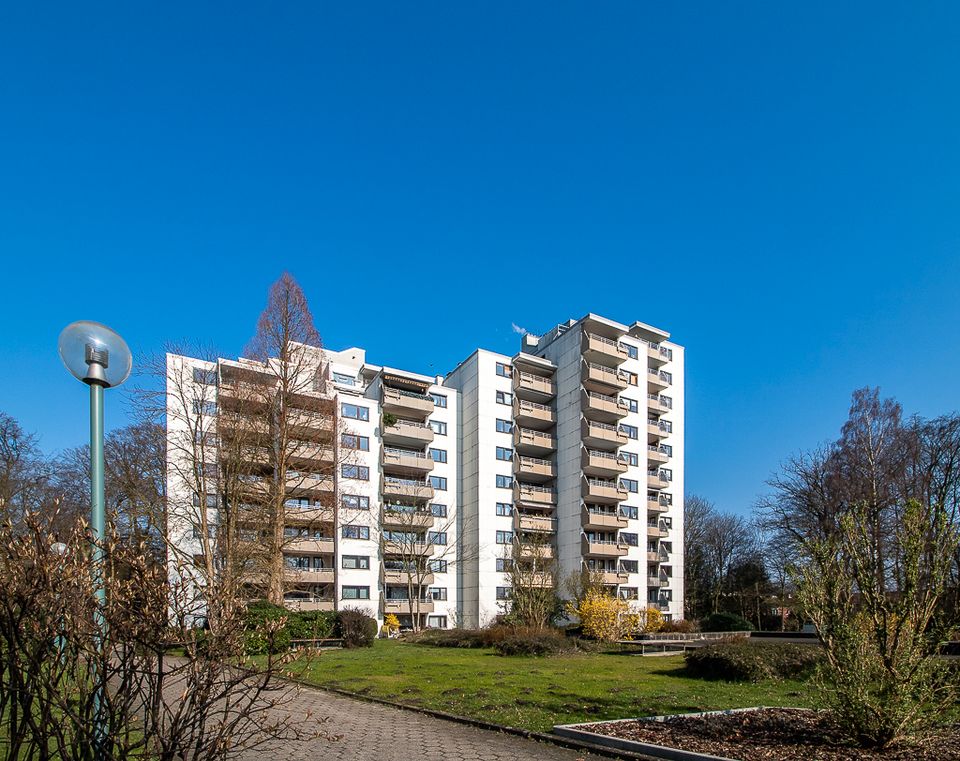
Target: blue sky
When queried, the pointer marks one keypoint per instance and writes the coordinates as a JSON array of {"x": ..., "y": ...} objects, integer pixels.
[{"x": 776, "y": 185}]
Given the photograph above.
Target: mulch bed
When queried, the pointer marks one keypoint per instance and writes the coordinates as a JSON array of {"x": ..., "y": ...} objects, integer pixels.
[{"x": 772, "y": 734}]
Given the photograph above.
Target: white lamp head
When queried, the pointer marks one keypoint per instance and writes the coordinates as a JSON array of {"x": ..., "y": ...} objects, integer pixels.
[{"x": 94, "y": 354}]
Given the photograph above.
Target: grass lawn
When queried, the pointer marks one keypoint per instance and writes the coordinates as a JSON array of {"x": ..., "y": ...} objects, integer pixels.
[{"x": 535, "y": 693}]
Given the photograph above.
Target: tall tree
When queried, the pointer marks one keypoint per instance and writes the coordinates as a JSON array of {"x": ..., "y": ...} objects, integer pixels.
[{"x": 23, "y": 472}]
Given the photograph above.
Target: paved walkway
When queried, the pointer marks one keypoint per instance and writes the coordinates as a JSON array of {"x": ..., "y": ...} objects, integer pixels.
[{"x": 372, "y": 732}]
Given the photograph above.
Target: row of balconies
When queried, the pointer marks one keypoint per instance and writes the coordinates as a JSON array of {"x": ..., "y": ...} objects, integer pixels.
[
  {"x": 533, "y": 387},
  {"x": 602, "y": 349}
]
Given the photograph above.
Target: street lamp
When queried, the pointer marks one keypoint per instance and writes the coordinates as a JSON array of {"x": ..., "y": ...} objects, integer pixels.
[{"x": 100, "y": 358}]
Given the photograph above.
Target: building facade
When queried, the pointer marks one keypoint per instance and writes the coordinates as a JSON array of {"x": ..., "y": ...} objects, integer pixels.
[{"x": 413, "y": 495}]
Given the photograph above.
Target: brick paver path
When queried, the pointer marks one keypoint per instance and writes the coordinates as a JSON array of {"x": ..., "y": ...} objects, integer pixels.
[{"x": 372, "y": 732}]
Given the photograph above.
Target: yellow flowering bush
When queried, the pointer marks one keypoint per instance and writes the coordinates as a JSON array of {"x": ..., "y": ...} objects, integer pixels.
[{"x": 602, "y": 616}]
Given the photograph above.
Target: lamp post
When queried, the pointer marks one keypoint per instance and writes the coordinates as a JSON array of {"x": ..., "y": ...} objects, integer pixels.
[{"x": 100, "y": 358}]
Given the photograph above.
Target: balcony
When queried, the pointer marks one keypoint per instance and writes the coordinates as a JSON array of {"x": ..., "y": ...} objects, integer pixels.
[
  {"x": 418, "y": 547},
  {"x": 534, "y": 469},
  {"x": 310, "y": 545},
  {"x": 397, "y": 489},
  {"x": 594, "y": 519},
  {"x": 656, "y": 581},
  {"x": 310, "y": 456},
  {"x": 308, "y": 576},
  {"x": 612, "y": 577},
  {"x": 533, "y": 442},
  {"x": 407, "y": 433},
  {"x": 603, "y": 548},
  {"x": 405, "y": 461},
  {"x": 659, "y": 354},
  {"x": 657, "y": 532},
  {"x": 657, "y": 455},
  {"x": 533, "y": 387},
  {"x": 404, "y": 607},
  {"x": 603, "y": 379},
  {"x": 658, "y": 429},
  {"x": 534, "y": 523},
  {"x": 658, "y": 404},
  {"x": 655, "y": 480},
  {"x": 602, "y": 436},
  {"x": 310, "y": 485},
  {"x": 602, "y": 407},
  {"x": 602, "y": 350},
  {"x": 534, "y": 494},
  {"x": 312, "y": 425},
  {"x": 304, "y": 604},
  {"x": 603, "y": 490},
  {"x": 539, "y": 551},
  {"x": 411, "y": 519},
  {"x": 299, "y": 515},
  {"x": 595, "y": 462},
  {"x": 401, "y": 577},
  {"x": 658, "y": 380},
  {"x": 655, "y": 557},
  {"x": 529, "y": 414},
  {"x": 404, "y": 403},
  {"x": 657, "y": 504}
]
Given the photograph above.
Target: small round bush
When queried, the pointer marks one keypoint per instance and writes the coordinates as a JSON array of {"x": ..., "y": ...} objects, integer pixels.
[
  {"x": 740, "y": 660},
  {"x": 725, "y": 622},
  {"x": 356, "y": 628},
  {"x": 526, "y": 641}
]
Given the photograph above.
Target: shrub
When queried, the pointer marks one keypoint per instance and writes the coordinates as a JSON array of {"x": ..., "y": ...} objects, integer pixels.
[
  {"x": 725, "y": 622},
  {"x": 651, "y": 621},
  {"x": 356, "y": 628},
  {"x": 532, "y": 641},
  {"x": 265, "y": 629},
  {"x": 312, "y": 624},
  {"x": 602, "y": 616},
  {"x": 683, "y": 626},
  {"x": 739, "y": 660}
]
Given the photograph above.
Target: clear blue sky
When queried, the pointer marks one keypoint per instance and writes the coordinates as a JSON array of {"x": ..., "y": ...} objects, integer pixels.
[{"x": 778, "y": 185}]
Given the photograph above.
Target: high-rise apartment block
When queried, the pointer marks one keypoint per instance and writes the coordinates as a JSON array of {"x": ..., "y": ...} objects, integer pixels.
[{"x": 413, "y": 495}]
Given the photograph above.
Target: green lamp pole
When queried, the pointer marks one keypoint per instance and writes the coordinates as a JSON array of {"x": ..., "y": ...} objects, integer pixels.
[{"x": 100, "y": 358}]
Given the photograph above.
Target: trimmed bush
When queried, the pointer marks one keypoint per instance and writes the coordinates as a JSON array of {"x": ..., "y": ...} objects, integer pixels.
[
  {"x": 356, "y": 628},
  {"x": 684, "y": 626},
  {"x": 527, "y": 641},
  {"x": 263, "y": 631},
  {"x": 740, "y": 660},
  {"x": 311, "y": 624},
  {"x": 725, "y": 622}
]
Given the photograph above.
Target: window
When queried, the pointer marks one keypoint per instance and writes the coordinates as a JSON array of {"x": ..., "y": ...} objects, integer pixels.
[
  {"x": 666, "y": 474},
  {"x": 437, "y": 566},
  {"x": 436, "y": 622},
  {"x": 630, "y": 403},
  {"x": 667, "y": 450},
  {"x": 630, "y": 484},
  {"x": 504, "y": 509},
  {"x": 344, "y": 380},
  {"x": 632, "y": 378},
  {"x": 201, "y": 407},
  {"x": 352, "y": 441},
  {"x": 630, "y": 539},
  {"x": 355, "y": 532},
  {"x": 437, "y": 455},
  {"x": 666, "y": 425},
  {"x": 504, "y": 426},
  {"x": 503, "y": 593},
  {"x": 668, "y": 377},
  {"x": 355, "y": 502},
  {"x": 437, "y": 510},
  {"x": 629, "y": 512},
  {"x": 666, "y": 401},
  {"x": 504, "y": 537},
  {"x": 630, "y": 430},
  {"x": 354, "y": 412},
  {"x": 632, "y": 350},
  {"x": 504, "y": 371},
  {"x": 438, "y": 427},
  {"x": 211, "y": 500},
  {"x": 204, "y": 376},
  {"x": 504, "y": 397},
  {"x": 629, "y": 593},
  {"x": 359, "y": 562},
  {"x": 355, "y": 593},
  {"x": 504, "y": 482},
  {"x": 438, "y": 593},
  {"x": 504, "y": 564},
  {"x": 438, "y": 482},
  {"x": 504, "y": 453},
  {"x": 360, "y": 472},
  {"x": 436, "y": 537},
  {"x": 439, "y": 400},
  {"x": 630, "y": 458},
  {"x": 629, "y": 566}
]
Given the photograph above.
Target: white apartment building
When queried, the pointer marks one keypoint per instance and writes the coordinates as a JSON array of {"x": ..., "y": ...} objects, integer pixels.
[{"x": 576, "y": 441}]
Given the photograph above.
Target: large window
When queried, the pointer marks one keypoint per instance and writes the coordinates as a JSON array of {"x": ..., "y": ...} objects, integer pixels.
[
  {"x": 632, "y": 350},
  {"x": 630, "y": 458},
  {"x": 355, "y": 502},
  {"x": 504, "y": 509},
  {"x": 354, "y": 412},
  {"x": 201, "y": 407},
  {"x": 629, "y": 511},
  {"x": 357, "y": 562},
  {"x": 359, "y": 472},
  {"x": 438, "y": 427},
  {"x": 504, "y": 537},
  {"x": 344, "y": 380},
  {"x": 438, "y": 482},
  {"x": 503, "y": 397},
  {"x": 504, "y": 426},
  {"x": 437, "y": 566},
  {"x": 352, "y": 441},
  {"x": 438, "y": 593},
  {"x": 630, "y": 484},
  {"x": 436, "y": 537},
  {"x": 504, "y": 564},
  {"x": 629, "y": 566},
  {"x": 504, "y": 482},
  {"x": 437, "y": 455},
  {"x": 630, "y": 430},
  {"x": 628, "y": 538},
  {"x": 436, "y": 622},
  {"x": 355, "y": 593},
  {"x": 355, "y": 532},
  {"x": 631, "y": 404},
  {"x": 504, "y": 371},
  {"x": 205, "y": 377},
  {"x": 439, "y": 400},
  {"x": 503, "y": 593},
  {"x": 437, "y": 510},
  {"x": 629, "y": 593},
  {"x": 504, "y": 453}
]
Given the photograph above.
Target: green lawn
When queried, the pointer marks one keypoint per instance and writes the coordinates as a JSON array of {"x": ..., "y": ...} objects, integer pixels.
[{"x": 535, "y": 693}]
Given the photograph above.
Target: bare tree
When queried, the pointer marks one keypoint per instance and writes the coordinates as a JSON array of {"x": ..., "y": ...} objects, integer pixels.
[
  {"x": 531, "y": 572},
  {"x": 23, "y": 473},
  {"x": 698, "y": 513}
]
